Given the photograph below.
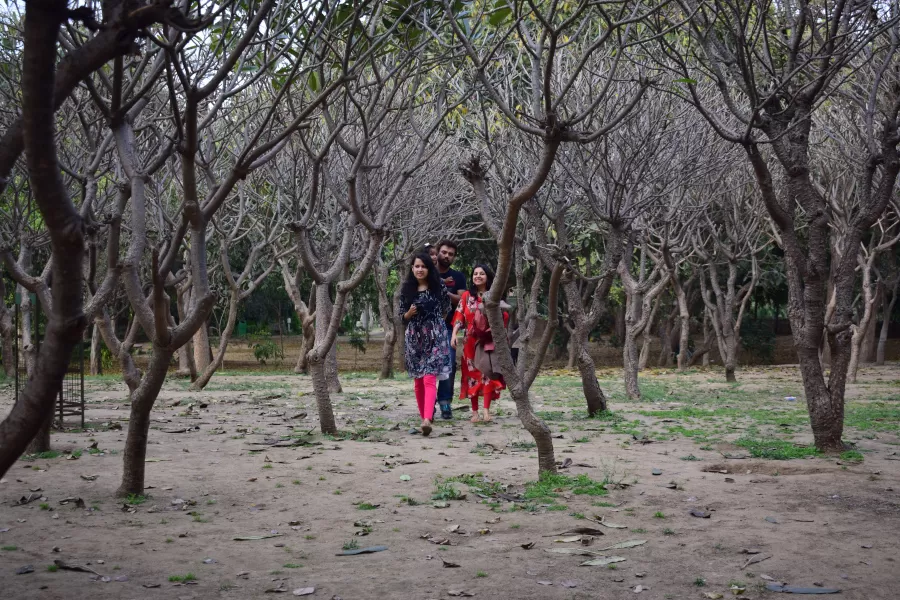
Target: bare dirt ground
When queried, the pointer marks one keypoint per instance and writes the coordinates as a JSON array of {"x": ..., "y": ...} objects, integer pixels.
[{"x": 810, "y": 520}]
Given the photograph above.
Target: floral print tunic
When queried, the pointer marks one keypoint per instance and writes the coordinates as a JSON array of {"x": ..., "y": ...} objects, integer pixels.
[{"x": 427, "y": 348}]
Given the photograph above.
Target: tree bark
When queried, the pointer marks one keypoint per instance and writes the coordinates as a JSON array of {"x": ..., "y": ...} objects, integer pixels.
[
  {"x": 886, "y": 312},
  {"x": 224, "y": 338},
  {"x": 186, "y": 365},
  {"x": 386, "y": 315},
  {"x": 64, "y": 224},
  {"x": 96, "y": 352},
  {"x": 8, "y": 333},
  {"x": 142, "y": 400},
  {"x": 201, "y": 349}
]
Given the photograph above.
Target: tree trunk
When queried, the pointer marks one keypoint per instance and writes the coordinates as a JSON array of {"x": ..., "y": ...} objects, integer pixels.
[
  {"x": 323, "y": 397},
  {"x": 707, "y": 337},
  {"x": 96, "y": 351},
  {"x": 186, "y": 365},
  {"x": 826, "y": 411},
  {"x": 224, "y": 338},
  {"x": 730, "y": 358},
  {"x": 63, "y": 223},
  {"x": 324, "y": 308},
  {"x": 202, "y": 351},
  {"x": 41, "y": 440},
  {"x": 7, "y": 335},
  {"x": 593, "y": 393},
  {"x": 386, "y": 310},
  {"x": 867, "y": 346},
  {"x": 142, "y": 401},
  {"x": 685, "y": 329},
  {"x": 630, "y": 362},
  {"x": 572, "y": 348},
  {"x": 887, "y": 309},
  {"x": 620, "y": 323}
]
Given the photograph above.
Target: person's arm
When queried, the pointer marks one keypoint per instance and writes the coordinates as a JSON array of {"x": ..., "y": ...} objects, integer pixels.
[
  {"x": 459, "y": 320},
  {"x": 407, "y": 310}
]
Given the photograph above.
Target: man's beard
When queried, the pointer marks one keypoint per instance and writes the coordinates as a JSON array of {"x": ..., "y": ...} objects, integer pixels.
[{"x": 444, "y": 263}]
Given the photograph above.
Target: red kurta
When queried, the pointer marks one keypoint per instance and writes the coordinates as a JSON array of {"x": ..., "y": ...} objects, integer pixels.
[{"x": 474, "y": 384}]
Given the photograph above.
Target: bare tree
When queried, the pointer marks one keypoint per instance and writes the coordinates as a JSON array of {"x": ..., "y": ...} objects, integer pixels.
[
  {"x": 732, "y": 236},
  {"x": 771, "y": 66}
]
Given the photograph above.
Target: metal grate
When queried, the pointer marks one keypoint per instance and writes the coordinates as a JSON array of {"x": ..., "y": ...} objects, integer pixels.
[
  {"x": 71, "y": 393},
  {"x": 70, "y": 400}
]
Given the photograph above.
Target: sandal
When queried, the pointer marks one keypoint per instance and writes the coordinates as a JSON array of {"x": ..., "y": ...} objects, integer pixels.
[{"x": 426, "y": 428}]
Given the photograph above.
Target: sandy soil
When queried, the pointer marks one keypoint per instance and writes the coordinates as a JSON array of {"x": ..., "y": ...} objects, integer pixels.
[{"x": 812, "y": 521}]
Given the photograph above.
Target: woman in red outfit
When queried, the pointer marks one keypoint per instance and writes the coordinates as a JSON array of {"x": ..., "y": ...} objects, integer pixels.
[{"x": 475, "y": 384}]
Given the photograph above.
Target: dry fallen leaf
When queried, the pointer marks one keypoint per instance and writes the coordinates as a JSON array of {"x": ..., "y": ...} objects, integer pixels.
[
  {"x": 528, "y": 546},
  {"x": 460, "y": 593},
  {"x": 449, "y": 565}
]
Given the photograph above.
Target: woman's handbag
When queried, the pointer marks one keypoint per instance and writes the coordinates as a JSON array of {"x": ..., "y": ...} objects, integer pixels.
[{"x": 484, "y": 362}]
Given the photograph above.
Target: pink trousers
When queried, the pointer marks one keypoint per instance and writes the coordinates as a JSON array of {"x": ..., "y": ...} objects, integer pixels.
[{"x": 426, "y": 395}]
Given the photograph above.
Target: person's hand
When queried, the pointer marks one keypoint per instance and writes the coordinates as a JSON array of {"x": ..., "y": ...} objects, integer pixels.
[
  {"x": 453, "y": 341},
  {"x": 448, "y": 281},
  {"x": 413, "y": 311}
]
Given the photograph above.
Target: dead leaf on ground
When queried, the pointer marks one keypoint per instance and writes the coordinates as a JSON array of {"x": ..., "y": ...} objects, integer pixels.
[
  {"x": 545, "y": 583},
  {"x": 712, "y": 595},
  {"x": 460, "y": 593},
  {"x": 755, "y": 559},
  {"x": 247, "y": 538},
  {"x": 579, "y": 531},
  {"x": 603, "y": 521},
  {"x": 568, "y": 584},
  {"x": 449, "y": 565},
  {"x": 575, "y": 551},
  {"x": 602, "y": 561},
  {"x": 625, "y": 544},
  {"x": 27, "y": 499},
  {"x": 528, "y": 546},
  {"x": 67, "y": 567},
  {"x": 304, "y": 591},
  {"x": 700, "y": 514}
]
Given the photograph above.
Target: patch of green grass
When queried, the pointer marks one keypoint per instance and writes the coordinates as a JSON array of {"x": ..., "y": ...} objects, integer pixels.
[
  {"x": 182, "y": 578},
  {"x": 775, "y": 449},
  {"x": 659, "y": 515},
  {"x": 700, "y": 582},
  {"x": 350, "y": 545},
  {"x": 852, "y": 456},
  {"x": 291, "y": 566},
  {"x": 52, "y": 568},
  {"x": 481, "y": 574},
  {"x": 267, "y": 466},
  {"x": 549, "y": 484},
  {"x": 668, "y": 531},
  {"x": 9, "y": 548},
  {"x": 604, "y": 504},
  {"x": 136, "y": 499},
  {"x": 690, "y": 457},
  {"x": 366, "y": 506},
  {"x": 577, "y": 515},
  {"x": 410, "y": 501},
  {"x": 296, "y": 482},
  {"x": 309, "y": 537},
  {"x": 44, "y": 506},
  {"x": 477, "y": 482}
]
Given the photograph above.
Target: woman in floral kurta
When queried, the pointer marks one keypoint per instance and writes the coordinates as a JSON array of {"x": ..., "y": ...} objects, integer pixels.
[
  {"x": 423, "y": 303},
  {"x": 475, "y": 384}
]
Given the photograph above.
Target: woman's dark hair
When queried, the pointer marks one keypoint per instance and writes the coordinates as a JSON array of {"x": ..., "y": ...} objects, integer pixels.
[
  {"x": 411, "y": 284},
  {"x": 473, "y": 289}
]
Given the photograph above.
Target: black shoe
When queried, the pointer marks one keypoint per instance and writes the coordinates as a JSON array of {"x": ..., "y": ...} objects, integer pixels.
[{"x": 446, "y": 411}]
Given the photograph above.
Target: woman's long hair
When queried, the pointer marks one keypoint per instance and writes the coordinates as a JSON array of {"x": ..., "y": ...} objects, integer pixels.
[
  {"x": 411, "y": 284},
  {"x": 473, "y": 289}
]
